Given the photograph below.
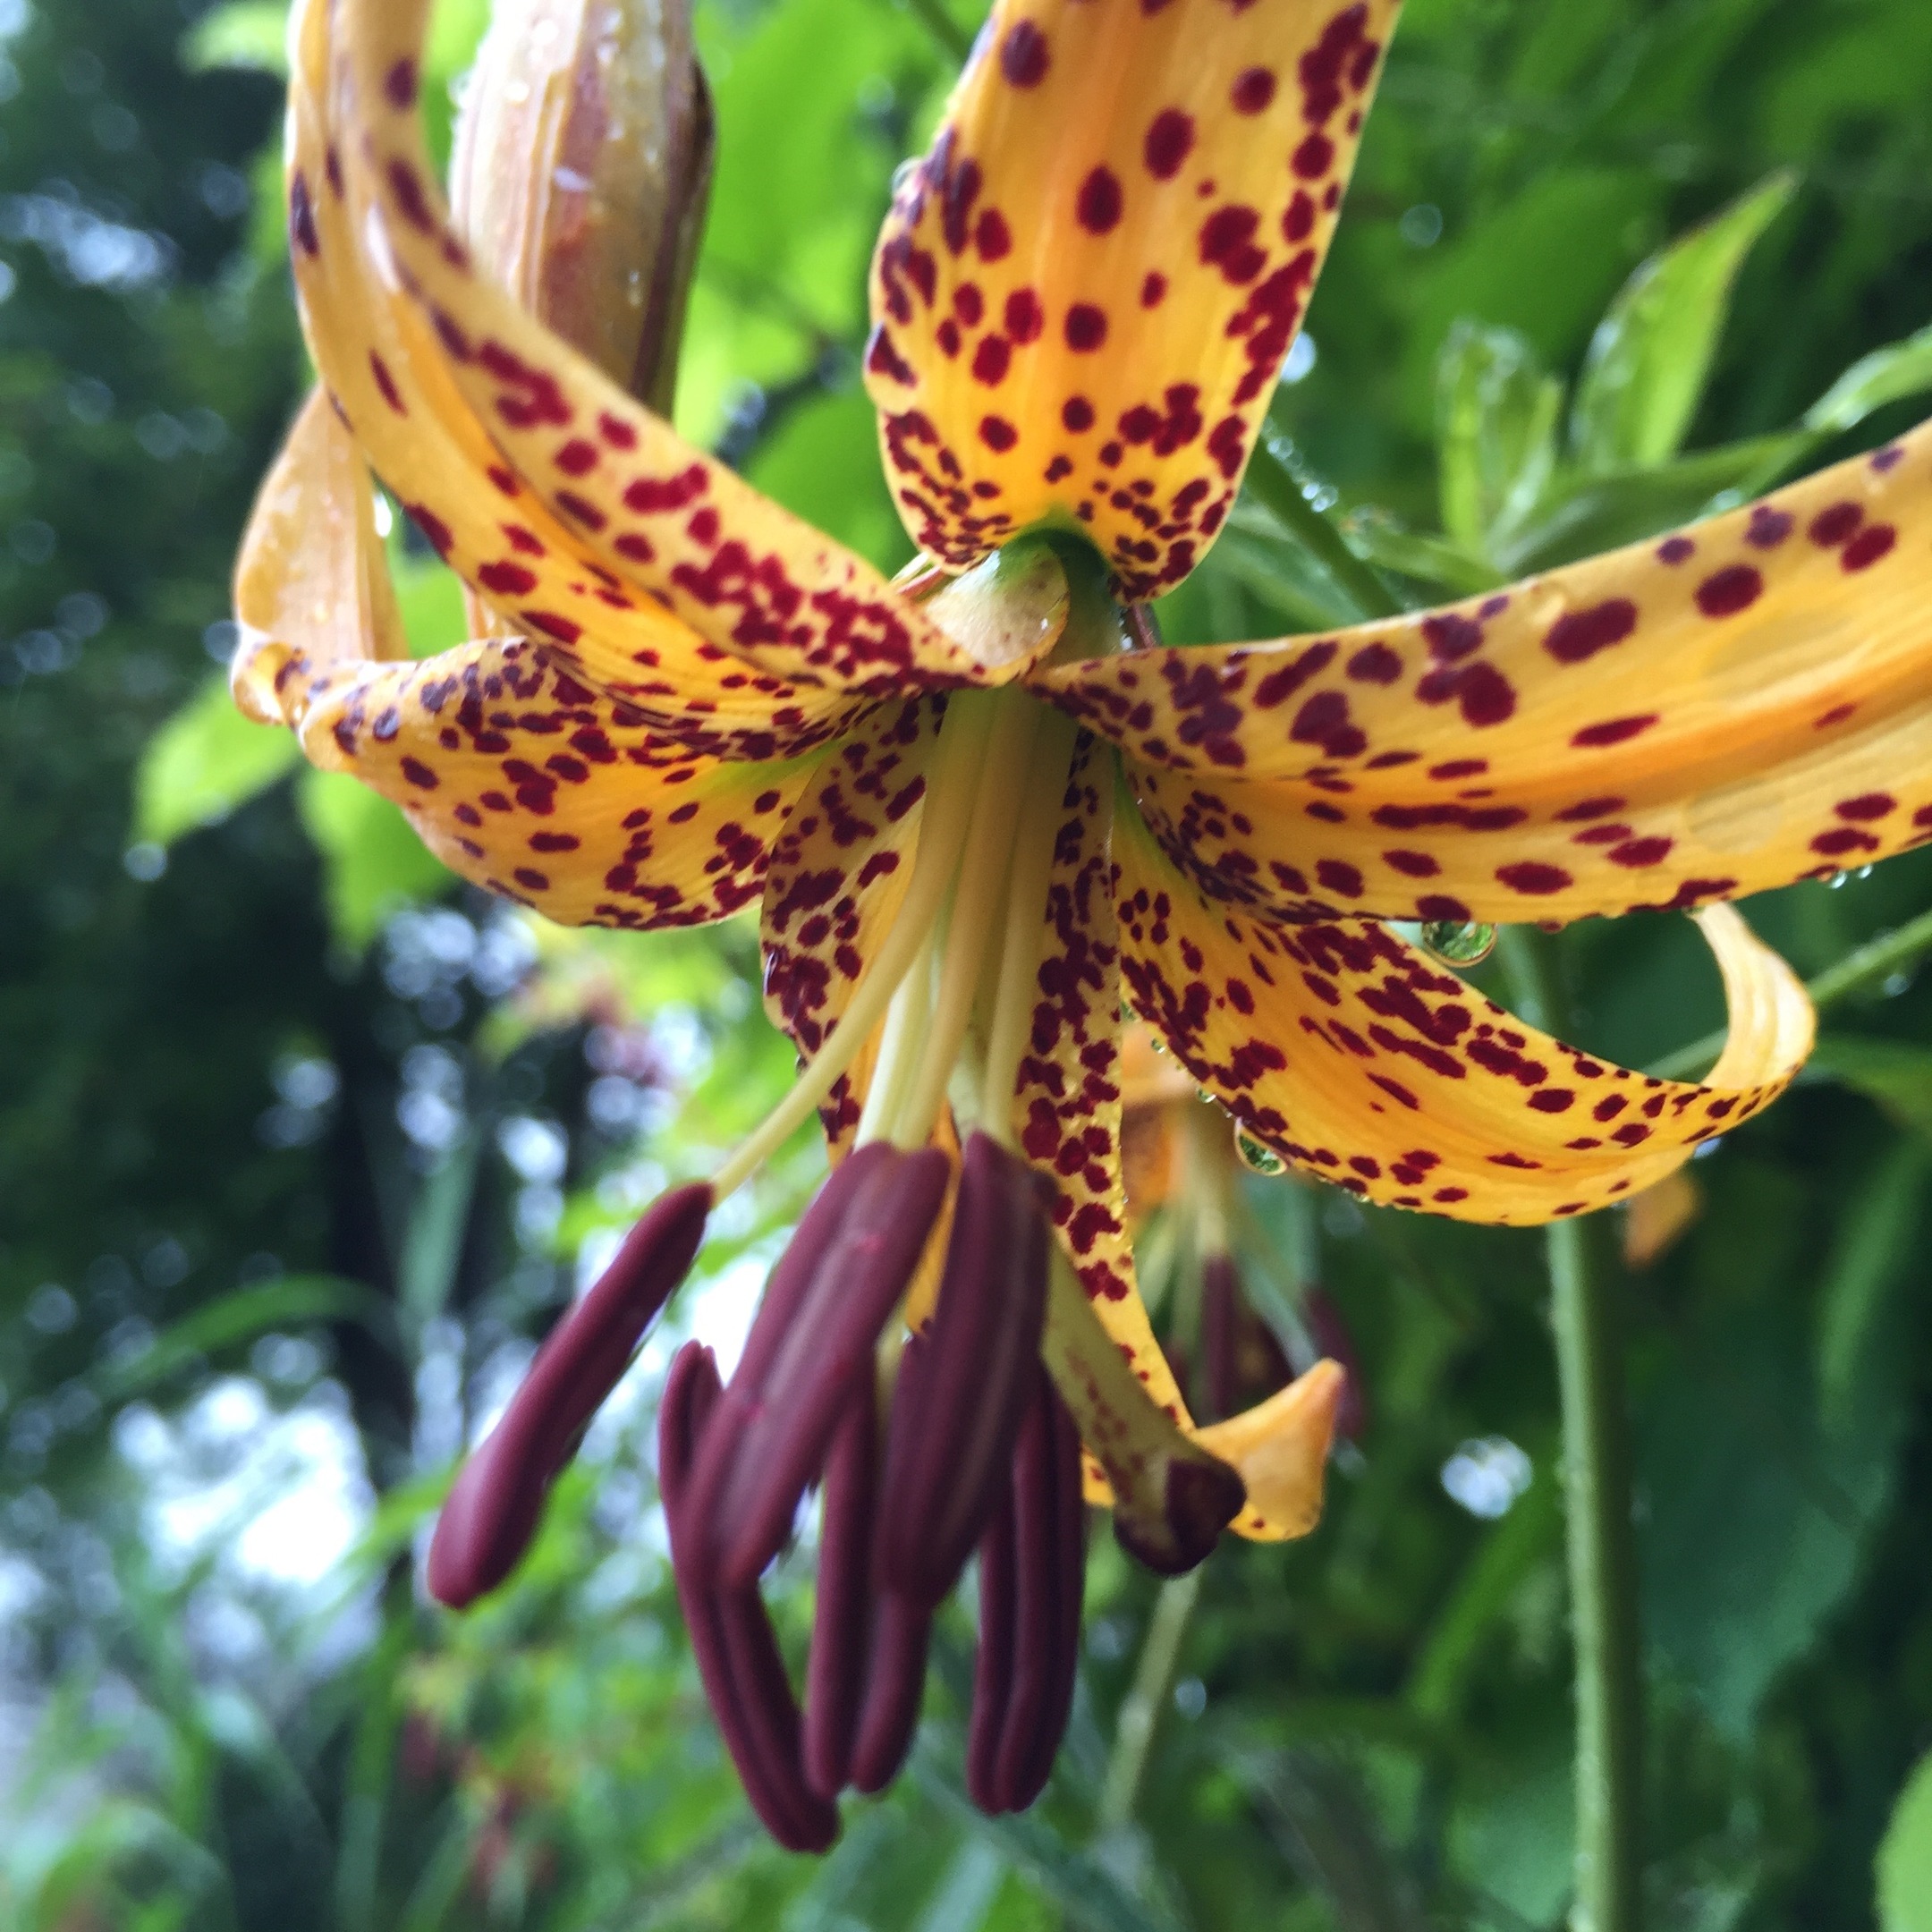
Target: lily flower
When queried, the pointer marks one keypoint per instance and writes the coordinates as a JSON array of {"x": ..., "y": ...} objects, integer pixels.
[{"x": 980, "y": 811}]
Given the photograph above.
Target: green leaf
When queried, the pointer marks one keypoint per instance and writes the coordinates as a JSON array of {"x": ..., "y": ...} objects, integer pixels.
[
  {"x": 1887, "y": 375},
  {"x": 293, "y": 1302},
  {"x": 1858, "y": 1300},
  {"x": 1592, "y": 513},
  {"x": 245, "y": 33},
  {"x": 1897, "y": 1074},
  {"x": 374, "y": 863},
  {"x": 1651, "y": 355},
  {"x": 203, "y": 763},
  {"x": 1495, "y": 420},
  {"x": 1904, "y": 1866}
]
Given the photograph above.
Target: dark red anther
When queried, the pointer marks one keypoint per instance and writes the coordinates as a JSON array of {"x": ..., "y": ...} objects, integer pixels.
[
  {"x": 493, "y": 1508},
  {"x": 834, "y": 1675},
  {"x": 1201, "y": 1499},
  {"x": 1330, "y": 1334},
  {"x": 1221, "y": 1311},
  {"x": 965, "y": 1383},
  {"x": 895, "y": 1687},
  {"x": 777, "y": 1418},
  {"x": 1032, "y": 1572},
  {"x": 738, "y": 1658}
]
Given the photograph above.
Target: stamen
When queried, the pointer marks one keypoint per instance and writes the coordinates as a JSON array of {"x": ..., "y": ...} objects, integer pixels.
[
  {"x": 835, "y": 1675},
  {"x": 816, "y": 1335},
  {"x": 945, "y": 820},
  {"x": 1221, "y": 1313},
  {"x": 964, "y": 1384},
  {"x": 896, "y": 1688},
  {"x": 1049, "y": 1547},
  {"x": 1032, "y": 1572},
  {"x": 494, "y": 1505},
  {"x": 738, "y": 1656}
]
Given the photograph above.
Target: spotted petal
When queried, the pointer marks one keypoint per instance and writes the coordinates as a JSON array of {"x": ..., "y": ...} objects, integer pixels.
[
  {"x": 1082, "y": 296},
  {"x": 522, "y": 779},
  {"x": 1360, "y": 1060},
  {"x": 838, "y": 876},
  {"x": 1744, "y": 704},
  {"x": 480, "y": 417}
]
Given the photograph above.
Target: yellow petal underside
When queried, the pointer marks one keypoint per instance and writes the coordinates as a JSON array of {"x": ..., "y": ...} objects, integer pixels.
[
  {"x": 523, "y": 780},
  {"x": 514, "y": 425},
  {"x": 1082, "y": 297},
  {"x": 1744, "y": 704},
  {"x": 1363, "y": 1061}
]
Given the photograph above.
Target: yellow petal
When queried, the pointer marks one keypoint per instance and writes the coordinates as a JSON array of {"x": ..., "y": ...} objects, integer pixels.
[
  {"x": 1657, "y": 1218},
  {"x": 479, "y": 417},
  {"x": 1363, "y": 1061},
  {"x": 1082, "y": 297},
  {"x": 1280, "y": 1447},
  {"x": 311, "y": 589},
  {"x": 524, "y": 780},
  {"x": 1734, "y": 707}
]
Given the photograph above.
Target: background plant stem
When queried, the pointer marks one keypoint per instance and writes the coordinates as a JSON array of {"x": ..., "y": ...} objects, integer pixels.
[{"x": 1584, "y": 1314}]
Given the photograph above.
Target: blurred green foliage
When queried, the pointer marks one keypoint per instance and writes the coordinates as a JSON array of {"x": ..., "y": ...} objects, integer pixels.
[{"x": 298, "y": 1143}]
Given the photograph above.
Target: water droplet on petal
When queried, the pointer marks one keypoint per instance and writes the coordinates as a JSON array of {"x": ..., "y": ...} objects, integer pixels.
[
  {"x": 1458, "y": 942},
  {"x": 1257, "y": 1156}
]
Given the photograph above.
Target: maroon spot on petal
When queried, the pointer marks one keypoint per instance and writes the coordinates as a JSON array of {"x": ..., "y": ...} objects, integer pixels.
[
  {"x": 1726, "y": 592},
  {"x": 400, "y": 85},
  {"x": 990, "y": 360},
  {"x": 1843, "y": 839},
  {"x": 1170, "y": 139},
  {"x": 1836, "y": 524},
  {"x": 577, "y": 457},
  {"x": 1611, "y": 730},
  {"x": 1553, "y": 1100},
  {"x": 1086, "y": 327},
  {"x": 1024, "y": 318},
  {"x": 1078, "y": 414},
  {"x": 1867, "y": 806},
  {"x": 1098, "y": 205},
  {"x": 1411, "y": 864},
  {"x": 506, "y": 580},
  {"x": 1640, "y": 852},
  {"x": 1441, "y": 906},
  {"x": 1868, "y": 547},
  {"x": 1529, "y": 876},
  {"x": 1577, "y": 635},
  {"x": 1339, "y": 877},
  {"x": 419, "y": 774},
  {"x": 1675, "y": 550},
  {"x": 992, "y": 237},
  {"x": 1253, "y": 90},
  {"x": 1153, "y": 289},
  {"x": 1312, "y": 159},
  {"x": 1837, "y": 715},
  {"x": 302, "y": 215},
  {"x": 1297, "y": 223},
  {"x": 386, "y": 382},
  {"x": 1023, "y": 55},
  {"x": 997, "y": 433},
  {"x": 1375, "y": 664},
  {"x": 1585, "y": 809},
  {"x": 1767, "y": 528}
]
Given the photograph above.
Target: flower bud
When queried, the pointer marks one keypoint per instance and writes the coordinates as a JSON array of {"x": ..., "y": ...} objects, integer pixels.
[{"x": 581, "y": 168}]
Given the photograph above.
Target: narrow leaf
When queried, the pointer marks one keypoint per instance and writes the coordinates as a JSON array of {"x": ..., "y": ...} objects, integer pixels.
[
  {"x": 1887, "y": 375},
  {"x": 207, "y": 760}
]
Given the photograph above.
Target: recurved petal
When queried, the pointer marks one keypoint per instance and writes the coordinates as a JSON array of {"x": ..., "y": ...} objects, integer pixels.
[
  {"x": 1360, "y": 1060},
  {"x": 480, "y": 417},
  {"x": 522, "y": 779},
  {"x": 1744, "y": 704},
  {"x": 1083, "y": 294},
  {"x": 311, "y": 589},
  {"x": 838, "y": 874}
]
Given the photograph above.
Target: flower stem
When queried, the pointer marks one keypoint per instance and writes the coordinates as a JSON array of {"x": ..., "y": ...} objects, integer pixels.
[
  {"x": 1597, "y": 1486},
  {"x": 1139, "y": 1711},
  {"x": 1271, "y": 476},
  {"x": 1869, "y": 965}
]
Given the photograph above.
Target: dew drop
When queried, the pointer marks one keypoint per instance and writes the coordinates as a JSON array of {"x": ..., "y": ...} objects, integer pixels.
[
  {"x": 1256, "y": 1156},
  {"x": 1459, "y": 943},
  {"x": 1837, "y": 880}
]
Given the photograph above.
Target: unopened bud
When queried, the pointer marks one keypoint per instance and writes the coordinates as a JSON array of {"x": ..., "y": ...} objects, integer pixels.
[{"x": 583, "y": 165}]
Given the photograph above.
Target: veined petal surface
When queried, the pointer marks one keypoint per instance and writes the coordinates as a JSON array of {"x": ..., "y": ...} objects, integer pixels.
[
  {"x": 1363, "y": 1061},
  {"x": 523, "y": 779},
  {"x": 312, "y": 590},
  {"x": 1082, "y": 296},
  {"x": 633, "y": 523},
  {"x": 1744, "y": 704}
]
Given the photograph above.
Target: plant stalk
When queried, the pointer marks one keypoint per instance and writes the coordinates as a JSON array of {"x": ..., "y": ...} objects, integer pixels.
[
  {"x": 1584, "y": 1313},
  {"x": 1139, "y": 1712},
  {"x": 1271, "y": 476}
]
